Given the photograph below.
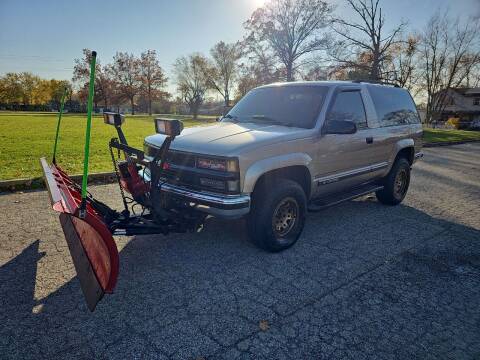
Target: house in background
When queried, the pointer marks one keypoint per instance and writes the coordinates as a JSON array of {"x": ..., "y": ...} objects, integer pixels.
[{"x": 462, "y": 103}]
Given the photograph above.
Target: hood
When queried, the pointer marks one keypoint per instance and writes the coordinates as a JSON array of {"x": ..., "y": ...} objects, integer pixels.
[{"x": 228, "y": 139}]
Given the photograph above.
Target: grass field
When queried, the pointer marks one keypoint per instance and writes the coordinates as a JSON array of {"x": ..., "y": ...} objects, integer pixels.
[
  {"x": 440, "y": 135},
  {"x": 25, "y": 137}
]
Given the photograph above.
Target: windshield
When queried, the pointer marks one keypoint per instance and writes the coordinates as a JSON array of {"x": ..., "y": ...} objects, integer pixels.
[{"x": 296, "y": 106}]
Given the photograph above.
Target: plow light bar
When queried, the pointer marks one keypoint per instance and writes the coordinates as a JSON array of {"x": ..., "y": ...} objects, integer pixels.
[
  {"x": 168, "y": 127},
  {"x": 114, "y": 119}
]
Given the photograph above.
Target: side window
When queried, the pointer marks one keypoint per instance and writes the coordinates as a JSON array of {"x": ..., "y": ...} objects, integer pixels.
[
  {"x": 394, "y": 106},
  {"x": 348, "y": 106}
]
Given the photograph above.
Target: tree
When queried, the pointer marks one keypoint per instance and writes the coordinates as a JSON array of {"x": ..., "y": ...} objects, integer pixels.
[
  {"x": 225, "y": 68},
  {"x": 57, "y": 88},
  {"x": 29, "y": 87},
  {"x": 260, "y": 69},
  {"x": 449, "y": 51},
  {"x": 401, "y": 63},
  {"x": 104, "y": 84},
  {"x": 152, "y": 77},
  {"x": 41, "y": 92},
  {"x": 317, "y": 72},
  {"x": 10, "y": 89},
  {"x": 192, "y": 80},
  {"x": 368, "y": 42},
  {"x": 291, "y": 28},
  {"x": 126, "y": 71}
]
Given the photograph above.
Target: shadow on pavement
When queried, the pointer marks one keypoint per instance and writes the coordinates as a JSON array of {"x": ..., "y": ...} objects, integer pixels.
[{"x": 196, "y": 295}]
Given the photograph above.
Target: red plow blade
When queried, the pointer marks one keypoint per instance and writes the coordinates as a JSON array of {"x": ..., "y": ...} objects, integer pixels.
[{"x": 93, "y": 250}]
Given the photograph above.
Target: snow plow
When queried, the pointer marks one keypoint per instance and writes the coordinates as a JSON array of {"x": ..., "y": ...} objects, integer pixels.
[{"x": 89, "y": 224}]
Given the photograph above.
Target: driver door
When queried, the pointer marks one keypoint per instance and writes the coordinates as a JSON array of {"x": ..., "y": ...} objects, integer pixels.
[{"x": 343, "y": 160}]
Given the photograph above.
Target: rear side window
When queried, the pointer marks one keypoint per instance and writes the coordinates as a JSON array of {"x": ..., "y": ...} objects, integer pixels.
[
  {"x": 394, "y": 106},
  {"x": 348, "y": 106}
]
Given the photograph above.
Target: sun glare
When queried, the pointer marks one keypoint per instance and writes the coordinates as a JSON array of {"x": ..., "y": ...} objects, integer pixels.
[{"x": 258, "y": 3}]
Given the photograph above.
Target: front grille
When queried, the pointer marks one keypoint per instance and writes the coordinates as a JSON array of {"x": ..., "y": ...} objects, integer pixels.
[{"x": 182, "y": 171}]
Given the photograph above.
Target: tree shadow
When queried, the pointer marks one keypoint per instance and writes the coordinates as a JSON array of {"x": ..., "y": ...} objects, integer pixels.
[{"x": 191, "y": 295}]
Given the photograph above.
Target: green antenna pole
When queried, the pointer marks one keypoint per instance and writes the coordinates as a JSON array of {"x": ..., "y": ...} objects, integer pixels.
[
  {"x": 91, "y": 90},
  {"x": 62, "y": 102}
]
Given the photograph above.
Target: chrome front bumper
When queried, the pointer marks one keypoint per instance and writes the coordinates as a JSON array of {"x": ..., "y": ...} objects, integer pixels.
[{"x": 228, "y": 206}]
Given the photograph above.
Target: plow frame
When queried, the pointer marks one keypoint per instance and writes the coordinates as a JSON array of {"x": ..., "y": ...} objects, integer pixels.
[{"x": 89, "y": 224}]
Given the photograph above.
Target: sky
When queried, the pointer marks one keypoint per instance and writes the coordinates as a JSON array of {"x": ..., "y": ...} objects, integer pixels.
[{"x": 45, "y": 36}]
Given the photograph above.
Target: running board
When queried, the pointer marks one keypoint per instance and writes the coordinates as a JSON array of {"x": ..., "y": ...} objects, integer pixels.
[{"x": 334, "y": 199}]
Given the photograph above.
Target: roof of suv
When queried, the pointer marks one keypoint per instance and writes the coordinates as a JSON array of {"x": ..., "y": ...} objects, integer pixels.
[{"x": 321, "y": 83}]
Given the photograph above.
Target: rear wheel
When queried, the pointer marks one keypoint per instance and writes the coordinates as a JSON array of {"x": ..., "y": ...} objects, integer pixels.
[
  {"x": 396, "y": 183},
  {"x": 277, "y": 215}
]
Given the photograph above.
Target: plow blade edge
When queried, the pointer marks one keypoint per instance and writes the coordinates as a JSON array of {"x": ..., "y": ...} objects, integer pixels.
[{"x": 93, "y": 250}]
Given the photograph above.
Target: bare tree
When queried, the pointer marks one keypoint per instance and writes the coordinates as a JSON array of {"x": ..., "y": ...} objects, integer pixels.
[
  {"x": 258, "y": 69},
  {"x": 192, "y": 79},
  {"x": 225, "y": 68},
  {"x": 291, "y": 28},
  {"x": 126, "y": 72},
  {"x": 401, "y": 63},
  {"x": 449, "y": 51},
  {"x": 152, "y": 77},
  {"x": 103, "y": 81},
  {"x": 365, "y": 38}
]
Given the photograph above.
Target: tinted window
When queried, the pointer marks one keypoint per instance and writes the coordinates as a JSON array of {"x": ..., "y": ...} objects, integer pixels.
[
  {"x": 394, "y": 106},
  {"x": 285, "y": 105},
  {"x": 348, "y": 105}
]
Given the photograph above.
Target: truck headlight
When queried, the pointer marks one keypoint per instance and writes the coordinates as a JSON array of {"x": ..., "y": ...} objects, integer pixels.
[{"x": 217, "y": 164}]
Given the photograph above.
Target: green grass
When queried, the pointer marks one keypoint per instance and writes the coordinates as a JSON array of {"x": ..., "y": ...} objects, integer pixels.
[
  {"x": 27, "y": 136},
  {"x": 440, "y": 135}
]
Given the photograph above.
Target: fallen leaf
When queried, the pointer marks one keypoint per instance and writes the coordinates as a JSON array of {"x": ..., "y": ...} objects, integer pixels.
[{"x": 263, "y": 324}]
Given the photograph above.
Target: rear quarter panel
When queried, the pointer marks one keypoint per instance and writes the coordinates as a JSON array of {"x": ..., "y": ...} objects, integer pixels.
[{"x": 403, "y": 137}]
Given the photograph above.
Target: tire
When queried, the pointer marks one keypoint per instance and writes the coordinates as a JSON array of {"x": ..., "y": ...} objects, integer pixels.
[
  {"x": 269, "y": 223},
  {"x": 396, "y": 183}
]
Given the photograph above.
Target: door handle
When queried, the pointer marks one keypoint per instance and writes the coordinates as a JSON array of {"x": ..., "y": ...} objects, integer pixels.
[{"x": 369, "y": 140}]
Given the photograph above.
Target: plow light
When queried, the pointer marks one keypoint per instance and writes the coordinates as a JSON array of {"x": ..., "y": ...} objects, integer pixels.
[
  {"x": 114, "y": 119},
  {"x": 168, "y": 127}
]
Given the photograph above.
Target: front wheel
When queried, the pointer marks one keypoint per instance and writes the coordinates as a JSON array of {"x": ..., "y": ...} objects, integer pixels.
[
  {"x": 396, "y": 183},
  {"x": 277, "y": 215}
]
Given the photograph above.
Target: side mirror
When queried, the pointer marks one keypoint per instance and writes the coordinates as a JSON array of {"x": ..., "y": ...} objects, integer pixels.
[
  {"x": 339, "y": 127},
  {"x": 114, "y": 119},
  {"x": 168, "y": 127}
]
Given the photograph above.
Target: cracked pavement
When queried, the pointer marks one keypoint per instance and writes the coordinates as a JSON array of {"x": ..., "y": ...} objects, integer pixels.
[{"x": 364, "y": 281}]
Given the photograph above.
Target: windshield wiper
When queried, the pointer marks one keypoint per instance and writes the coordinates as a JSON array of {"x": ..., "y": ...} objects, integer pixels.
[
  {"x": 232, "y": 117},
  {"x": 266, "y": 118},
  {"x": 271, "y": 120}
]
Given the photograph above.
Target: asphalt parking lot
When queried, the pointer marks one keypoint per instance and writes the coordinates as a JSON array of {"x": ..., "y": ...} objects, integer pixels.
[{"x": 364, "y": 281}]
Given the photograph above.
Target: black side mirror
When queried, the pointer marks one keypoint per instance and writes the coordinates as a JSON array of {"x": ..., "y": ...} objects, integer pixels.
[{"x": 339, "y": 127}]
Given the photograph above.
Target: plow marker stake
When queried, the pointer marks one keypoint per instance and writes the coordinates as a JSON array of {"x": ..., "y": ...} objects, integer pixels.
[
  {"x": 54, "y": 160},
  {"x": 91, "y": 90}
]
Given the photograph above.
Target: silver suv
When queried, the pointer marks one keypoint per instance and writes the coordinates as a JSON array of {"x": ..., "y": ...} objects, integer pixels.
[{"x": 285, "y": 149}]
